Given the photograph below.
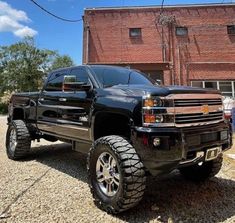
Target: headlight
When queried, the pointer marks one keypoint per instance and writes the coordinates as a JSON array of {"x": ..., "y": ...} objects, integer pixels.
[
  {"x": 150, "y": 102},
  {"x": 155, "y": 111},
  {"x": 151, "y": 118}
]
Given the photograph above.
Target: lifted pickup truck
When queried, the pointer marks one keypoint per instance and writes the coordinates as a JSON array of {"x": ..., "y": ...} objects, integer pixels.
[{"x": 129, "y": 127}]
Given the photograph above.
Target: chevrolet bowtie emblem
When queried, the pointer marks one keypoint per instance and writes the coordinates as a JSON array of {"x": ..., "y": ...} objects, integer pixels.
[{"x": 205, "y": 109}]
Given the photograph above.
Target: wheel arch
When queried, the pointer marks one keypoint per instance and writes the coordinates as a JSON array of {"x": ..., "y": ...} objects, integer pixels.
[
  {"x": 111, "y": 123},
  {"x": 18, "y": 113}
]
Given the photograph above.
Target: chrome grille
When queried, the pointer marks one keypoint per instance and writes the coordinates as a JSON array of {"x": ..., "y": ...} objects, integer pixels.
[
  {"x": 196, "y": 102},
  {"x": 198, "y": 117}
]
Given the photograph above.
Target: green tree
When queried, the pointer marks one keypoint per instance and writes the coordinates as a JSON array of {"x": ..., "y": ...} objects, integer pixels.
[
  {"x": 23, "y": 65},
  {"x": 62, "y": 61}
]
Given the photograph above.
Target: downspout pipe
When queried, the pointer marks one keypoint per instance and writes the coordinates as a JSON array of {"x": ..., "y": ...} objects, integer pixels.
[
  {"x": 87, "y": 42},
  {"x": 86, "y": 36}
]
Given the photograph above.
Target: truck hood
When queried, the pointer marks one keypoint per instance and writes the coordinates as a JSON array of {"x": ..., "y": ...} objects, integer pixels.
[{"x": 156, "y": 90}]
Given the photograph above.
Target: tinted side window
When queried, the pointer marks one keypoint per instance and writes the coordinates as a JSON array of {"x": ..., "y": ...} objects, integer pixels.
[
  {"x": 112, "y": 76},
  {"x": 55, "y": 82},
  {"x": 137, "y": 78},
  {"x": 117, "y": 75},
  {"x": 81, "y": 75}
]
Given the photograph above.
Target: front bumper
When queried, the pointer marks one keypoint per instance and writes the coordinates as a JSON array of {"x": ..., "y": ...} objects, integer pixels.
[{"x": 178, "y": 145}]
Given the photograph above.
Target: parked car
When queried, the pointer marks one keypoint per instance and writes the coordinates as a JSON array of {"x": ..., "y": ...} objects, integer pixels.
[{"x": 129, "y": 127}]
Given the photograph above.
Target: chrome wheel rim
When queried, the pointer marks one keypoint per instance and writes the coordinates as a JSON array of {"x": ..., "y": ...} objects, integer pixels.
[
  {"x": 107, "y": 174},
  {"x": 13, "y": 140}
]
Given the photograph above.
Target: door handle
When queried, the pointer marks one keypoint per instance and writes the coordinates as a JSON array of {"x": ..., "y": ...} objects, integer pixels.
[
  {"x": 41, "y": 99},
  {"x": 62, "y": 99}
]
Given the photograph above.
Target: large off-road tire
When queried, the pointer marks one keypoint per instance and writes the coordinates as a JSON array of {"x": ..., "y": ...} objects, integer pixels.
[
  {"x": 18, "y": 141},
  {"x": 116, "y": 174},
  {"x": 203, "y": 172}
]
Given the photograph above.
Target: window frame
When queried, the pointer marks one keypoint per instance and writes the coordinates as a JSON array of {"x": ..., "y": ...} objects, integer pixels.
[
  {"x": 218, "y": 85},
  {"x": 231, "y": 29},
  {"x": 135, "y": 36},
  {"x": 181, "y": 27}
]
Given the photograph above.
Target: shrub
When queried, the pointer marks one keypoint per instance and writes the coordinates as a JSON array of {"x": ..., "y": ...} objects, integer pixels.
[
  {"x": 3, "y": 108},
  {"x": 4, "y": 100}
]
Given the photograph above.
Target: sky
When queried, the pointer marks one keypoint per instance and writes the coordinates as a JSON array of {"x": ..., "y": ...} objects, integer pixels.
[{"x": 20, "y": 18}]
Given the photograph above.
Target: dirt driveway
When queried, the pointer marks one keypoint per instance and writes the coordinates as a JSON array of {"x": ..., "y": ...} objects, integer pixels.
[{"x": 51, "y": 186}]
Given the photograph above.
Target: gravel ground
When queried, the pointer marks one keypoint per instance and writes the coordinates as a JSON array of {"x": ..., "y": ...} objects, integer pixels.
[{"x": 51, "y": 186}]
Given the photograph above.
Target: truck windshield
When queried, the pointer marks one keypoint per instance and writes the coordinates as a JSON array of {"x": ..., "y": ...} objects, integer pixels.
[{"x": 110, "y": 76}]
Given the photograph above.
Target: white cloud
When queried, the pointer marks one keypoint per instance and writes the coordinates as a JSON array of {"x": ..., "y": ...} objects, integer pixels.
[
  {"x": 11, "y": 20},
  {"x": 25, "y": 31}
]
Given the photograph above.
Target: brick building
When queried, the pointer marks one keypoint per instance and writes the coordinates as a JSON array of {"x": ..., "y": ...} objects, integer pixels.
[{"x": 181, "y": 45}]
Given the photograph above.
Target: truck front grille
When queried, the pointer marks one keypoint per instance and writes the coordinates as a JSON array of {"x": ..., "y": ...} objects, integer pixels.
[
  {"x": 183, "y": 110},
  {"x": 196, "y": 102},
  {"x": 198, "y": 117},
  {"x": 196, "y": 109}
]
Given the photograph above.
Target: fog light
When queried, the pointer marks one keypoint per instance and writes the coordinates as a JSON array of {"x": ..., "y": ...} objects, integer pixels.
[
  {"x": 156, "y": 141},
  {"x": 159, "y": 118}
]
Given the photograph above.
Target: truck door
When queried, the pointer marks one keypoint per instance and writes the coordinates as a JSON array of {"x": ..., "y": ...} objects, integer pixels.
[
  {"x": 74, "y": 107},
  {"x": 48, "y": 102}
]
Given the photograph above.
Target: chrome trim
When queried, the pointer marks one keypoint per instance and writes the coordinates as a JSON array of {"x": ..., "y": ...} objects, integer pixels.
[
  {"x": 187, "y": 115},
  {"x": 180, "y": 125},
  {"x": 62, "y": 99},
  {"x": 155, "y": 108},
  {"x": 193, "y": 96},
  {"x": 199, "y": 155},
  {"x": 158, "y": 124},
  {"x": 65, "y": 125},
  {"x": 198, "y": 123},
  {"x": 13, "y": 140},
  {"x": 194, "y": 109},
  {"x": 70, "y": 138},
  {"x": 107, "y": 174},
  {"x": 219, "y": 148}
]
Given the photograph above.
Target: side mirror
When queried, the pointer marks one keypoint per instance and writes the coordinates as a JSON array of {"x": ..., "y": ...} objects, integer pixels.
[
  {"x": 71, "y": 84},
  {"x": 159, "y": 82}
]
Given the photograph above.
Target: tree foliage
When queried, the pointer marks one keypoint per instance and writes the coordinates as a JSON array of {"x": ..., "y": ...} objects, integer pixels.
[
  {"x": 23, "y": 65},
  {"x": 61, "y": 61}
]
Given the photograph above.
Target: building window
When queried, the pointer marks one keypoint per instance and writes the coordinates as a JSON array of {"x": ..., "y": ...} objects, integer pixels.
[
  {"x": 231, "y": 29},
  {"x": 211, "y": 84},
  {"x": 135, "y": 32},
  {"x": 181, "y": 31},
  {"x": 197, "y": 84},
  {"x": 227, "y": 88}
]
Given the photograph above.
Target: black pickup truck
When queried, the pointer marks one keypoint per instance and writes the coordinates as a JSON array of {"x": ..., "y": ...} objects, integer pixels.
[{"x": 129, "y": 126}]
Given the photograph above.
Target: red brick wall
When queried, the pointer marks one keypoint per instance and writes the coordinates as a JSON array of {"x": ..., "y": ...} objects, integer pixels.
[
  {"x": 110, "y": 42},
  {"x": 225, "y": 71},
  {"x": 207, "y": 40}
]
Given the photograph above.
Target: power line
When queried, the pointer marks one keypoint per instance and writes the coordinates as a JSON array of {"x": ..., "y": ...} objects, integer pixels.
[
  {"x": 162, "y": 7},
  {"x": 52, "y": 14}
]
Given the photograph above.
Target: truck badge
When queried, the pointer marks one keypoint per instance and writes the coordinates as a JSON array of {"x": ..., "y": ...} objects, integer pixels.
[{"x": 205, "y": 109}]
